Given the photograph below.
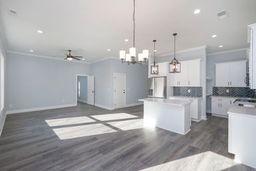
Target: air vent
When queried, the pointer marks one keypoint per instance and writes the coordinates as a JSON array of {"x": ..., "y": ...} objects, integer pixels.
[
  {"x": 222, "y": 14},
  {"x": 12, "y": 12}
]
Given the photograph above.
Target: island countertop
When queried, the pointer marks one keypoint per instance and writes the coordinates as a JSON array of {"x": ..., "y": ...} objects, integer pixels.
[
  {"x": 178, "y": 101},
  {"x": 239, "y": 110}
]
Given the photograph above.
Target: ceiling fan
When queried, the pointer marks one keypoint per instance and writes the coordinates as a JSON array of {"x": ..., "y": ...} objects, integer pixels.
[{"x": 70, "y": 57}]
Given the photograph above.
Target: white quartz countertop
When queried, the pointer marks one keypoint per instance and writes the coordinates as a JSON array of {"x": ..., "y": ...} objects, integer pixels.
[
  {"x": 178, "y": 101},
  {"x": 183, "y": 97},
  {"x": 239, "y": 110}
]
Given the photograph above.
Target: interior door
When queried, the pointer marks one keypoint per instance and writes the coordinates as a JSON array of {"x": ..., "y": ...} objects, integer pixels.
[
  {"x": 90, "y": 93},
  {"x": 119, "y": 84}
]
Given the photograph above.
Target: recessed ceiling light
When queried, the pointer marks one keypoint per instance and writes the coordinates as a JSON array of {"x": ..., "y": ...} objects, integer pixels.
[
  {"x": 197, "y": 11},
  {"x": 108, "y": 50},
  {"x": 31, "y": 50},
  {"x": 12, "y": 12},
  {"x": 214, "y": 36},
  {"x": 220, "y": 46},
  {"x": 40, "y": 32},
  {"x": 126, "y": 40},
  {"x": 155, "y": 50}
]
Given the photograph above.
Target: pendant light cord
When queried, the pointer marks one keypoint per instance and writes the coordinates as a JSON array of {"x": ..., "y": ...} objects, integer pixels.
[
  {"x": 174, "y": 45},
  {"x": 133, "y": 23}
]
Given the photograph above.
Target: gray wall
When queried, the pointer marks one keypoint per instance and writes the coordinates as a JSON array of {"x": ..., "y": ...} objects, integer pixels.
[
  {"x": 83, "y": 89},
  {"x": 34, "y": 82},
  {"x": 136, "y": 81}
]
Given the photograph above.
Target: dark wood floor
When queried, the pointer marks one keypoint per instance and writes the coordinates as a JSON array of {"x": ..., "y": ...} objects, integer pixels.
[{"x": 82, "y": 138}]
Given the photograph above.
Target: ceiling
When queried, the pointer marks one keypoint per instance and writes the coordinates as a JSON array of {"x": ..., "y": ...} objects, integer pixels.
[{"x": 90, "y": 27}]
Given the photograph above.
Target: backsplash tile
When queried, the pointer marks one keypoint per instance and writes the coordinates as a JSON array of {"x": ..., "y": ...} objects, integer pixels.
[
  {"x": 187, "y": 91},
  {"x": 234, "y": 91}
]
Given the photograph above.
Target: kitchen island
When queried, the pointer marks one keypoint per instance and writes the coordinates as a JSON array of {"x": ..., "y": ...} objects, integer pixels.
[{"x": 169, "y": 114}]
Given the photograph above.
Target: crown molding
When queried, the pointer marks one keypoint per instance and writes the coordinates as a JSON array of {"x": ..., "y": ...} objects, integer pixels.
[
  {"x": 164, "y": 54},
  {"x": 45, "y": 57},
  {"x": 226, "y": 51},
  {"x": 103, "y": 59}
]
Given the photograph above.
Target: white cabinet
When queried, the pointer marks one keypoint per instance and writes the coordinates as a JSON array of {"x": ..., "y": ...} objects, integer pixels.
[
  {"x": 231, "y": 74},
  {"x": 252, "y": 56},
  {"x": 189, "y": 75},
  {"x": 163, "y": 69},
  {"x": 221, "y": 105}
]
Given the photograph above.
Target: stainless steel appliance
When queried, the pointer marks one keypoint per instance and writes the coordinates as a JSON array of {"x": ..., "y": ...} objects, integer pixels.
[{"x": 157, "y": 87}]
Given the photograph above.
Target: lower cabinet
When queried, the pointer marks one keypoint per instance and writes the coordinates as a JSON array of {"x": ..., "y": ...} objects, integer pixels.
[
  {"x": 220, "y": 105},
  {"x": 195, "y": 109}
]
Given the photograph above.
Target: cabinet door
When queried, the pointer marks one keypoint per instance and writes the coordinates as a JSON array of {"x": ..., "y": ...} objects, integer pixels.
[
  {"x": 183, "y": 76},
  {"x": 217, "y": 106},
  {"x": 222, "y": 72},
  {"x": 163, "y": 69},
  {"x": 194, "y": 109},
  {"x": 237, "y": 74},
  {"x": 194, "y": 73}
]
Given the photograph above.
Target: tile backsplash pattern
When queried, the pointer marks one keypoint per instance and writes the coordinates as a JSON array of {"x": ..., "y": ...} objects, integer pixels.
[
  {"x": 234, "y": 91},
  {"x": 187, "y": 91}
]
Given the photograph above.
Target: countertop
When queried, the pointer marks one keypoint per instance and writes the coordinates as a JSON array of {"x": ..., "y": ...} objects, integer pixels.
[
  {"x": 234, "y": 97},
  {"x": 178, "y": 101},
  {"x": 242, "y": 111},
  {"x": 184, "y": 97}
]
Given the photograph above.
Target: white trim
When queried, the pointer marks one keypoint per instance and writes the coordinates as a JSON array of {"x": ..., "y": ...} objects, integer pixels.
[
  {"x": 45, "y": 57},
  {"x": 103, "y": 59},
  {"x": 39, "y": 109},
  {"x": 2, "y": 121},
  {"x": 226, "y": 51},
  {"x": 164, "y": 54},
  {"x": 134, "y": 104},
  {"x": 219, "y": 115},
  {"x": 104, "y": 107}
]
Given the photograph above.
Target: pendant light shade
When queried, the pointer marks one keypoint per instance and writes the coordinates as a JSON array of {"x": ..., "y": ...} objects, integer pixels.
[
  {"x": 174, "y": 65},
  {"x": 154, "y": 70}
]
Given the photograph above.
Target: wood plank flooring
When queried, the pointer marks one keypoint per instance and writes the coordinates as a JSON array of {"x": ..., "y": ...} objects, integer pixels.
[{"x": 90, "y": 138}]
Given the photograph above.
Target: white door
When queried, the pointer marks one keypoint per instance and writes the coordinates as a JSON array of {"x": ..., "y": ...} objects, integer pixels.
[
  {"x": 90, "y": 85},
  {"x": 119, "y": 84}
]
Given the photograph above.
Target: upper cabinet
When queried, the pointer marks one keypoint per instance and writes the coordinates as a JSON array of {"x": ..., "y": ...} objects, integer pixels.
[
  {"x": 190, "y": 74},
  {"x": 163, "y": 69},
  {"x": 231, "y": 74},
  {"x": 252, "y": 56}
]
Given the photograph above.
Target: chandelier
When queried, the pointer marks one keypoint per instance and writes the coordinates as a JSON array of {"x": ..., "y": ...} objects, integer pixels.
[
  {"x": 174, "y": 65},
  {"x": 132, "y": 56}
]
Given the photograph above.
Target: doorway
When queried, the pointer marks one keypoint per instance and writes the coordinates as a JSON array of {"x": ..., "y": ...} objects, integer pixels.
[
  {"x": 85, "y": 89},
  {"x": 119, "y": 84}
]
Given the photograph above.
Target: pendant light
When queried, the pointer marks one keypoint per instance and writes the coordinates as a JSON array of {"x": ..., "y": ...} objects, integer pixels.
[
  {"x": 174, "y": 65},
  {"x": 154, "y": 68},
  {"x": 131, "y": 56}
]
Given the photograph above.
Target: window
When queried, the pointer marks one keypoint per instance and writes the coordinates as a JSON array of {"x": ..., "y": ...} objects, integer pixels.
[{"x": 1, "y": 81}]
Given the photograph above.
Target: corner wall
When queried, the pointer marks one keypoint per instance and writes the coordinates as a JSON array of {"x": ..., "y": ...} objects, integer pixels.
[{"x": 136, "y": 82}]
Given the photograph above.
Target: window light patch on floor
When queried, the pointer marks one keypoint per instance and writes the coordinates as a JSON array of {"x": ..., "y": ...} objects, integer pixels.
[
  {"x": 82, "y": 131},
  {"x": 208, "y": 161},
  {"x": 128, "y": 125},
  {"x": 115, "y": 116},
  {"x": 69, "y": 121}
]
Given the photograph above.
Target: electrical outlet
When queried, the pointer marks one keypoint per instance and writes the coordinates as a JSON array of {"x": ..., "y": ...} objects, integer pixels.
[
  {"x": 189, "y": 91},
  {"x": 227, "y": 90}
]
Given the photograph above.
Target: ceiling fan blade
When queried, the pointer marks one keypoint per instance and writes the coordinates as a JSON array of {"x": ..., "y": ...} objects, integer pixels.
[{"x": 78, "y": 56}]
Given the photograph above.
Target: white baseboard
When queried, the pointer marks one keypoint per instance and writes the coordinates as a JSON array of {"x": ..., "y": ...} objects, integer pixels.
[
  {"x": 221, "y": 116},
  {"x": 38, "y": 109},
  {"x": 104, "y": 107},
  {"x": 134, "y": 104}
]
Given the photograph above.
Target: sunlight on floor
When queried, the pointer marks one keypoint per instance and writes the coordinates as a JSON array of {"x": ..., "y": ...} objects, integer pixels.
[
  {"x": 200, "y": 162},
  {"x": 69, "y": 121},
  {"x": 115, "y": 116},
  {"x": 82, "y": 131},
  {"x": 128, "y": 125}
]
